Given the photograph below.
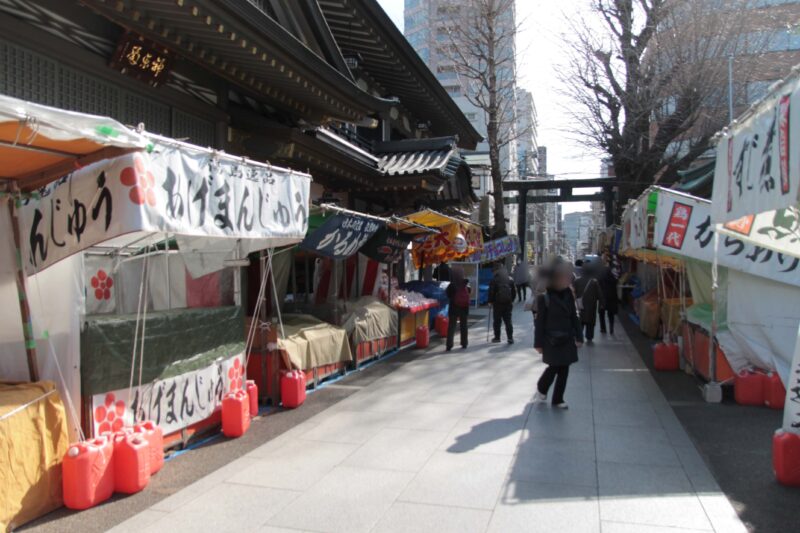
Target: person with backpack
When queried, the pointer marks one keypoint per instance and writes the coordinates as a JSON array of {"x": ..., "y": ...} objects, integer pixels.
[
  {"x": 501, "y": 298},
  {"x": 458, "y": 306},
  {"x": 589, "y": 296},
  {"x": 558, "y": 334}
]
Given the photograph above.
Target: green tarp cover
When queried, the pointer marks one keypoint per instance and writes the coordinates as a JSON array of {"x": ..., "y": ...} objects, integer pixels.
[
  {"x": 700, "y": 314},
  {"x": 177, "y": 341}
]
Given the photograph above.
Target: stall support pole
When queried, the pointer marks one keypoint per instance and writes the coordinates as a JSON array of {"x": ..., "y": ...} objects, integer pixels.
[
  {"x": 22, "y": 292},
  {"x": 712, "y": 392}
]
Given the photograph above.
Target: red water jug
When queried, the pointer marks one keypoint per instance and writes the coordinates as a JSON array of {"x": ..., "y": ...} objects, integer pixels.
[
  {"x": 441, "y": 325},
  {"x": 155, "y": 439},
  {"x": 293, "y": 389},
  {"x": 666, "y": 356},
  {"x": 88, "y": 473},
  {"x": 774, "y": 391},
  {"x": 423, "y": 337},
  {"x": 252, "y": 395},
  {"x": 131, "y": 462},
  {"x": 786, "y": 458},
  {"x": 748, "y": 387},
  {"x": 235, "y": 413}
]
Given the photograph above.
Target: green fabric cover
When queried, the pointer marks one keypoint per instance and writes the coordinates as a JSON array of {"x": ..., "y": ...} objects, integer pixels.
[
  {"x": 700, "y": 314},
  {"x": 177, "y": 341}
]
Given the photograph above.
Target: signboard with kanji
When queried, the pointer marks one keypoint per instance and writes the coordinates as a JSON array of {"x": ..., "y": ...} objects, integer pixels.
[
  {"x": 341, "y": 236},
  {"x": 142, "y": 59}
]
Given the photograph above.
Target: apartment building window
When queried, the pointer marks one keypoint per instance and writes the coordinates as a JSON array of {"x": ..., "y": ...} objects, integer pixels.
[
  {"x": 472, "y": 117},
  {"x": 453, "y": 90}
]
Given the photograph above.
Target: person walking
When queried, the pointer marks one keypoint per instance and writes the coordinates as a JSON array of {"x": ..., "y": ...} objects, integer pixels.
[
  {"x": 501, "y": 298},
  {"x": 522, "y": 279},
  {"x": 558, "y": 334},
  {"x": 457, "y": 306},
  {"x": 588, "y": 297},
  {"x": 610, "y": 303}
]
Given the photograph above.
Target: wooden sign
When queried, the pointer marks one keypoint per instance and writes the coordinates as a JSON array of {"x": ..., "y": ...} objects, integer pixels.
[{"x": 142, "y": 59}]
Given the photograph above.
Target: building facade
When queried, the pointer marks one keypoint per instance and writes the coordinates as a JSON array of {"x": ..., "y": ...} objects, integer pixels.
[
  {"x": 426, "y": 28},
  {"x": 282, "y": 81}
]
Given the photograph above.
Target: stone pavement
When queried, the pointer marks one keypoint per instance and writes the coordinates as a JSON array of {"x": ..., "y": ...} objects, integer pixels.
[{"x": 451, "y": 442}]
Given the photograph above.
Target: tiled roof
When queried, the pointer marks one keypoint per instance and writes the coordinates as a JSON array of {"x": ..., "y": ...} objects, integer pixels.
[{"x": 412, "y": 157}]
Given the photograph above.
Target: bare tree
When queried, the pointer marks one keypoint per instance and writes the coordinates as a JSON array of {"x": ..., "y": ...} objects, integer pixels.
[
  {"x": 649, "y": 81},
  {"x": 480, "y": 46}
]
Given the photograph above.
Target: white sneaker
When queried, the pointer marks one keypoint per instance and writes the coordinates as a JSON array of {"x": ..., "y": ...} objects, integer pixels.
[
  {"x": 562, "y": 405},
  {"x": 539, "y": 397}
]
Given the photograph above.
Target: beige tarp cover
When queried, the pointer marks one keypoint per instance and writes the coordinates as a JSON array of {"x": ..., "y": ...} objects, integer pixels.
[
  {"x": 370, "y": 319},
  {"x": 33, "y": 440},
  {"x": 311, "y": 342}
]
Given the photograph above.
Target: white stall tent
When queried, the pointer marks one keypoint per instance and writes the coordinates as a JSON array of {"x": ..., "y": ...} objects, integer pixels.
[
  {"x": 758, "y": 174},
  {"x": 158, "y": 195}
]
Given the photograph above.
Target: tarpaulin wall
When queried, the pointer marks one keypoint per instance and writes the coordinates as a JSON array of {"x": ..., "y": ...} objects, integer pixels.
[
  {"x": 177, "y": 341},
  {"x": 33, "y": 439},
  {"x": 56, "y": 301},
  {"x": 763, "y": 316}
]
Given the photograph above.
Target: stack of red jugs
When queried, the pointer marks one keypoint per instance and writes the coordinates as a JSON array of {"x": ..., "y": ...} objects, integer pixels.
[
  {"x": 122, "y": 461},
  {"x": 754, "y": 387}
]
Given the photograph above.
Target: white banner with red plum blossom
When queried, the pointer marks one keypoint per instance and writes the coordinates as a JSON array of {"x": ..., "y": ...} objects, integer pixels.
[
  {"x": 173, "y": 403},
  {"x": 169, "y": 191}
]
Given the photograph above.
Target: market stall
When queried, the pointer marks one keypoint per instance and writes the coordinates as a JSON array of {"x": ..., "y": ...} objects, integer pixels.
[
  {"x": 476, "y": 270},
  {"x": 752, "y": 283},
  {"x": 125, "y": 241},
  {"x": 456, "y": 240},
  {"x": 755, "y": 199}
]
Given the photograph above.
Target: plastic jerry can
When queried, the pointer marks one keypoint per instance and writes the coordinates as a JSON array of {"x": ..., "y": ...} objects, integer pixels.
[
  {"x": 748, "y": 387},
  {"x": 235, "y": 413},
  {"x": 666, "y": 356},
  {"x": 774, "y": 391},
  {"x": 88, "y": 473},
  {"x": 155, "y": 438},
  {"x": 252, "y": 395},
  {"x": 293, "y": 389},
  {"x": 131, "y": 462},
  {"x": 786, "y": 458},
  {"x": 441, "y": 325},
  {"x": 423, "y": 337}
]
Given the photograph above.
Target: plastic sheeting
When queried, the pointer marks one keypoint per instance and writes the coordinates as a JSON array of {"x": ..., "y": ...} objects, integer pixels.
[
  {"x": 177, "y": 342},
  {"x": 56, "y": 300},
  {"x": 33, "y": 439},
  {"x": 310, "y": 342},
  {"x": 370, "y": 319},
  {"x": 763, "y": 317}
]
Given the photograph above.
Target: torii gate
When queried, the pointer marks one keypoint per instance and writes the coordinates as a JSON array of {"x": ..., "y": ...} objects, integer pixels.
[{"x": 565, "y": 188}]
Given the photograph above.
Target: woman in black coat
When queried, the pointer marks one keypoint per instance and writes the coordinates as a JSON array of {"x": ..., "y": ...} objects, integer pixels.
[
  {"x": 558, "y": 334},
  {"x": 610, "y": 302}
]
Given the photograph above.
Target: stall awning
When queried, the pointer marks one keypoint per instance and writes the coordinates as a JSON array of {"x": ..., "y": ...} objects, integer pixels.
[
  {"x": 209, "y": 202},
  {"x": 457, "y": 238},
  {"x": 39, "y": 144}
]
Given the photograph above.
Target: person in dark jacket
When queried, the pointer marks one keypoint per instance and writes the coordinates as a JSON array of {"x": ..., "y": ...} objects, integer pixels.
[
  {"x": 558, "y": 334},
  {"x": 589, "y": 298},
  {"x": 522, "y": 279},
  {"x": 610, "y": 304},
  {"x": 501, "y": 298},
  {"x": 457, "y": 307}
]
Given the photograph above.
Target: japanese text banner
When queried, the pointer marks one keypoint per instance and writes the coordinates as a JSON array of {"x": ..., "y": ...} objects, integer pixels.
[
  {"x": 341, "y": 236},
  {"x": 168, "y": 191},
  {"x": 453, "y": 242},
  {"x": 758, "y": 162},
  {"x": 497, "y": 249},
  {"x": 684, "y": 228}
]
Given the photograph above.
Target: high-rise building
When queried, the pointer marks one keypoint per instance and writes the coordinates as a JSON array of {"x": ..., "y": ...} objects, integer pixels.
[
  {"x": 426, "y": 24},
  {"x": 527, "y": 146}
]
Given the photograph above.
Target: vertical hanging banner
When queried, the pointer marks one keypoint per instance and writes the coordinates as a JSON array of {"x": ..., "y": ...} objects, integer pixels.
[
  {"x": 757, "y": 170},
  {"x": 171, "y": 190},
  {"x": 341, "y": 235},
  {"x": 386, "y": 246}
]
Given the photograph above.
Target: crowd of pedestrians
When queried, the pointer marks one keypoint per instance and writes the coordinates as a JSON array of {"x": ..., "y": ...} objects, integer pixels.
[{"x": 566, "y": 302}]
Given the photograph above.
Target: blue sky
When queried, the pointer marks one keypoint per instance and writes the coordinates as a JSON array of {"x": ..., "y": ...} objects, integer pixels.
[{"x": 538, "y": 46}]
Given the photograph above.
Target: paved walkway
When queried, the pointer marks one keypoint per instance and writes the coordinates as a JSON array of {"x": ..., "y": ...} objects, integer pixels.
[{"x": 450, "y": 442}]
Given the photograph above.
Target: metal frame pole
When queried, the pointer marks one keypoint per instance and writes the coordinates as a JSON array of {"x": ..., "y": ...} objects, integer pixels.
[{"x": 22, "y": 292}]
